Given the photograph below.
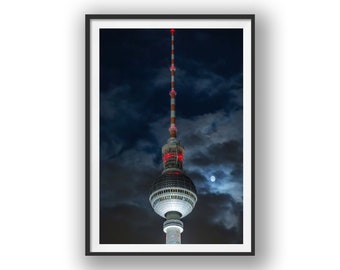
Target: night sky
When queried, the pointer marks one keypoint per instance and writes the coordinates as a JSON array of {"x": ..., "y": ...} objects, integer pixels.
[{"x": 134, "y": 122}]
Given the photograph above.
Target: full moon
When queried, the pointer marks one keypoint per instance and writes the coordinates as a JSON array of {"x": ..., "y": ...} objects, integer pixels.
[{"x": 212, "y": 178}]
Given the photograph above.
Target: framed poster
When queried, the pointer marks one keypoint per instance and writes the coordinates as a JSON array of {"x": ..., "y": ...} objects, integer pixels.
[{"x": 170, "y": 135}]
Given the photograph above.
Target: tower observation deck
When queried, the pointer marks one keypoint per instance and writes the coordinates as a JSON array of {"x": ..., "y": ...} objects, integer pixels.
[{"x": 173, "y": 195}]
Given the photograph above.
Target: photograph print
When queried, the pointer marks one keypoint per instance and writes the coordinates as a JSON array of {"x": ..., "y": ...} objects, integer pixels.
[{"x": 170, "y": 109}]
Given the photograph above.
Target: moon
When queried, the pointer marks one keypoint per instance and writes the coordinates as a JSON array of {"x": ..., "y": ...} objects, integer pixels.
[{"x": 212, "y": 178}]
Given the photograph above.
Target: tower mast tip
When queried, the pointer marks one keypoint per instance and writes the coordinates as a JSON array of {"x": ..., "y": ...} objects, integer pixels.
[{"x": 172, "y": 128}]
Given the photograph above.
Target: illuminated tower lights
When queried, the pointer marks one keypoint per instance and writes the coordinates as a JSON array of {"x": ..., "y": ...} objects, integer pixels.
[{"x": 173, "y": 195}]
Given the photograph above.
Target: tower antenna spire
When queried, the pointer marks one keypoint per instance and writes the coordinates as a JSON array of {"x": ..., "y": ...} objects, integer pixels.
[{"x": 172, "y": 128}]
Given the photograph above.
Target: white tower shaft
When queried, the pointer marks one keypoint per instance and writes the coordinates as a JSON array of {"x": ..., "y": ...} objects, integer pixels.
[
  {"x": 173, "y": 228},
  {"x": 173, "y": 235}
]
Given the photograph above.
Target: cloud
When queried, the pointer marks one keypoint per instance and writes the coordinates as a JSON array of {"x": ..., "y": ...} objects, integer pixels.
[
  {"x": 219, "y": 154},
  {"x": 121, "y": 182},
  {"x": 221, "y": 222},
  {"x": 130, "y": 224},
  {"x": 205, "y": 81}
]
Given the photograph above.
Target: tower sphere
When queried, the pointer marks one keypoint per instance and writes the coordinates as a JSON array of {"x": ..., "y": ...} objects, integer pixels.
[{"x": 173, "y": 191}]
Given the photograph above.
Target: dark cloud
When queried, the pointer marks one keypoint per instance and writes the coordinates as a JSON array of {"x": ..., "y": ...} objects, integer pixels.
[
  {"x": 129, "y": 224},
  {"x": 221, "y": 222},
  {"x": 129, "y": 184},
  {"x": 221, "y": 153},
  {"x": 134, "y": 118}
]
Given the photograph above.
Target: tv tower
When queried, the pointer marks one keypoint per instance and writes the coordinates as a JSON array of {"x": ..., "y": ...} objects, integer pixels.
[{"x": 173, "y": 195}]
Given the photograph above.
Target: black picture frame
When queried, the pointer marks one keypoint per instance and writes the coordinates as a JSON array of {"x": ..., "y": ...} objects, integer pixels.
[{"x": 92, "y": 111}]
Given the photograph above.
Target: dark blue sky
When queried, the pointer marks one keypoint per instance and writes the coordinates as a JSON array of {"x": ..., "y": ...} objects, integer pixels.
[{"x": 134, "y": 121}]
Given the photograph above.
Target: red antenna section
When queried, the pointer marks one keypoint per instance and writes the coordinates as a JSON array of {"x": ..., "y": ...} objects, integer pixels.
[{"x": 172, "y": 128}]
